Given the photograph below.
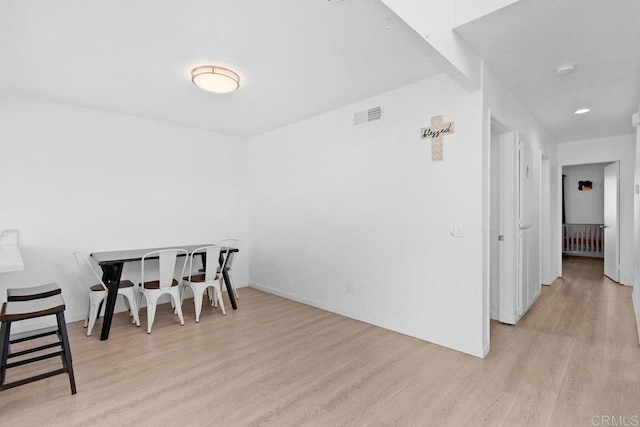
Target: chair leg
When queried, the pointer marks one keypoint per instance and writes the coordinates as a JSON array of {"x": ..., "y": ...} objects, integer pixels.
[
  {"x": 151, "y": 313},
  {"x": 66, "y": 350},
  {"x": 86, "y": 319},
  {"x": 139, "y": 300},
  {"x": 214, "y": 300},
  {"x": 99, "y": 309},
  {"x": 177, "y": 306},
  {"x": 93, "y": 315},
  {"x": 211, "y": 291},
  {"x": 5, "y": 334},
  {"x": 133, "y": 309},
  {"x": 217, "y": 291},
  {"x": 126, "y": 302},
  {"x": 233, "y": 287},
  {"x": 197, "y": 303}
]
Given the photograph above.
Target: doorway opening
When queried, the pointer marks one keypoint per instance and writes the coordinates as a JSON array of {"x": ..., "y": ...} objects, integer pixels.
[{"x": 590, "y": 213}]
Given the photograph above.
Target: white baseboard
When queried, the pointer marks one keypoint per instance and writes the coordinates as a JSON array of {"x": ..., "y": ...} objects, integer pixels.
[{"x": 410, "y": 330}]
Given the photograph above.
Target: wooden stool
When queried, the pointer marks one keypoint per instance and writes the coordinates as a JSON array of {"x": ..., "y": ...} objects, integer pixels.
[
  {"x": 35, "y": 292},
  {"x": 13, "y": 311}
]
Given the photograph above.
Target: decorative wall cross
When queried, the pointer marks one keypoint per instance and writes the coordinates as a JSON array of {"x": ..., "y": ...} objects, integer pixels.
[{"x": 436, "y": 132}]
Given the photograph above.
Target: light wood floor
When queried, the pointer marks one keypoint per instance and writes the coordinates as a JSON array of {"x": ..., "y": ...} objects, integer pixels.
[{"x": 574, "y": 356}]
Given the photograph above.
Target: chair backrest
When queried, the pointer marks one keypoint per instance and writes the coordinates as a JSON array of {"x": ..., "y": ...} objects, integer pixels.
[
  {"x": 89, "y": 275},
  {"x": 167, "y": 265},
  {"x": 213, "y": 254},
  {"x": 230, "y": 256}
]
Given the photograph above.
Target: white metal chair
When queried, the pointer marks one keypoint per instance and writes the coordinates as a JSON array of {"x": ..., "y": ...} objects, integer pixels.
[
  {"x": 229, "y": 257},
  {"x": 99, "y": 292},
  {"x": 166, "y": 284},
  {"x": 209, "y": 281}
]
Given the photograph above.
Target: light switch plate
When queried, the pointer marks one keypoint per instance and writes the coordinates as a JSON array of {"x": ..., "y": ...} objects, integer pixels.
[{"x": 457, "y": 230}]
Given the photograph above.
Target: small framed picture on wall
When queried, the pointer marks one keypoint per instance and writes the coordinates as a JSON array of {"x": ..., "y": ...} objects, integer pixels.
[{"x": 585, "y": 185}]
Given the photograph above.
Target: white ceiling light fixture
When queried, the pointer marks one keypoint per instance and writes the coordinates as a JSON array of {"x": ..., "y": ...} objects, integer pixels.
[
  {"x": 215, "y": 79},
  {"x": 582, "y": 111},
  {"x": 565, "y": 69}
]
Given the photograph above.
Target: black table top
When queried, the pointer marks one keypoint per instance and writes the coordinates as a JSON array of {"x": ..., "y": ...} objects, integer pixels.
[{"x": 117, "y": 257}]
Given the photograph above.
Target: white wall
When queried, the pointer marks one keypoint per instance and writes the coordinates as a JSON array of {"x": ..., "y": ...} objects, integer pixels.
[
  {"x": 501, "y": 106},
  {"x": 84, "y": 179},
  {"x": 357, "y": 221},
  {"x": 584, "y": 207},
  {"x": 616, "y": 148}
]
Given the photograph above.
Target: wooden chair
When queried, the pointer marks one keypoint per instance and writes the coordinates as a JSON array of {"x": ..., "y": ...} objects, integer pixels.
[
  {"x": 13, "y": 311},
  {"x": 34, "y": 292}
]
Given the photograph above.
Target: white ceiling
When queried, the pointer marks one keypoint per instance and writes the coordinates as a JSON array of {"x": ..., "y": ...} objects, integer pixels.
[
  {"x": 526, "y": 41},
  {"x": 295, "y": 58}
]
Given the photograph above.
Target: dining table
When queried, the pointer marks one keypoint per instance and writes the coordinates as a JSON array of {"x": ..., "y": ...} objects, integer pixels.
[{"x": 112, "y": 263}]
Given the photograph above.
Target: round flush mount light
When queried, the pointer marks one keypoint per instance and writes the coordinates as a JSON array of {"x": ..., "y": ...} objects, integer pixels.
[
  {"x": 565, "y": 69},
  {"x": 582, "y": 111},
  {"x": 215, "y": 79}
]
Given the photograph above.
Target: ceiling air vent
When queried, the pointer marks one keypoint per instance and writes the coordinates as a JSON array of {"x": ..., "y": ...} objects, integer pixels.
[{"x": 367, "y": 116}]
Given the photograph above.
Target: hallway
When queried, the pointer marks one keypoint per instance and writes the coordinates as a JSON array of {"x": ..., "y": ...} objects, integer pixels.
[{"x": 577, "y": 349}]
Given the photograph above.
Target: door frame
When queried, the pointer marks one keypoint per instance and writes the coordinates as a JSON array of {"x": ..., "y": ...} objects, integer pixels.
[
  {"x": 617, "y": 225},
  {"x": 545, "y": 226},
  {"x": 561, "y": 165},
  {"x": 508, "y": 272}
]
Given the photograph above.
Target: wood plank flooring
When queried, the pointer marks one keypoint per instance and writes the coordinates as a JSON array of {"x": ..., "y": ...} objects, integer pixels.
[{"x": 275, "y": 362}]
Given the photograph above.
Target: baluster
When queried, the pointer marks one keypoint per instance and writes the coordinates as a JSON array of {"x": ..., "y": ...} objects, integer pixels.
[
  {"x": 599, "y": 239},
  {"x": 574, "y": 239}
]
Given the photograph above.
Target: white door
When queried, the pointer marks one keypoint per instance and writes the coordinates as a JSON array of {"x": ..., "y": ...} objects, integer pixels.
[
  {"x": 527, "y": 277},
  {"x": 611, "y": 226},
  {"x": 509, "y": 228}
]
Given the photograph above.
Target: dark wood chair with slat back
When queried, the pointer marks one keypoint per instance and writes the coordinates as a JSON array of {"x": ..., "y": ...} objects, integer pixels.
[
  {"x": 34, "y": 292},
  {"x": 37, "y": 306}
]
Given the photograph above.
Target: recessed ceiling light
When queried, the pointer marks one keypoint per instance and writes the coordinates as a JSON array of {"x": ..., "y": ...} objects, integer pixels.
[
  {"x": 565, "y": 69},
  {"x": 215, "y": 79},
  {"x": 582, "y": 111}
]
